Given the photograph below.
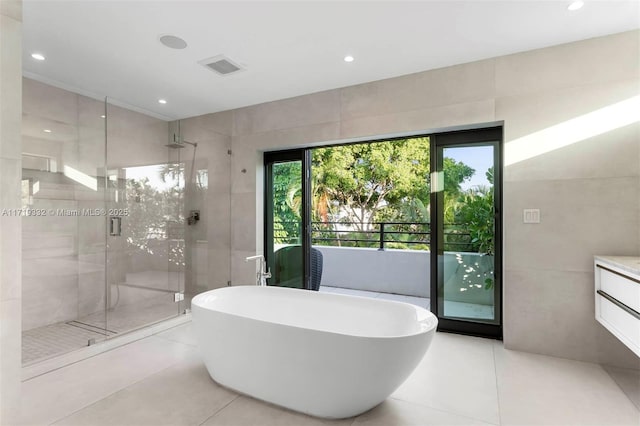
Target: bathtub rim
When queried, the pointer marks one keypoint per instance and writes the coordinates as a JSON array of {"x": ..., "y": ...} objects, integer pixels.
[{"x": 431, "y": 320}]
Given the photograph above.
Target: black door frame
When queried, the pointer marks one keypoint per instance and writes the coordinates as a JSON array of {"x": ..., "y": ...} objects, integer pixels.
[
  {"x": 467, "y": 138},
  {"x": 270, "y": 158},
  {"x": 451, "y": 138}
]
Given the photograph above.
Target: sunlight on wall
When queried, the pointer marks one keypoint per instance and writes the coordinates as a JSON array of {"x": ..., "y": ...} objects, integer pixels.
[
  {"x": 81, "y": 178},
  {"x": 575, "y": 130}
]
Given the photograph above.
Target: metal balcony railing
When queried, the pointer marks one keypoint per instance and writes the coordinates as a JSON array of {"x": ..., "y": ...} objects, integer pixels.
[{"x": 382, "y": 235}]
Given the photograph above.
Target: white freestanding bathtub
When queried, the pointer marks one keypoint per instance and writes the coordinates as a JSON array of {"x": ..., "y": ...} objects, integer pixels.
[{"x": 327, "y": 355}]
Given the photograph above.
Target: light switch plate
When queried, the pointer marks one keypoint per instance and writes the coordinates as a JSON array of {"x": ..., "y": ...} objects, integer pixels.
[{"x": 531, "y": 216}]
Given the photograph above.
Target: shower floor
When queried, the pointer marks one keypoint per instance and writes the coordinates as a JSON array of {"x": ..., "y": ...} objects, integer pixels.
[{"x": 56, "y": 339}]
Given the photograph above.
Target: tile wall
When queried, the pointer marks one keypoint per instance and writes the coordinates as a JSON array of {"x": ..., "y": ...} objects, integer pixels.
[
  {"x": 588, "y": 191},
  {"x": 10, "y": 227}
]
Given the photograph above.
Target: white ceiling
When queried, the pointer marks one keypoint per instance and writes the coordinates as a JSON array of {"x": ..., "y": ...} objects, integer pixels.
[{"x": 111, "y": 48}]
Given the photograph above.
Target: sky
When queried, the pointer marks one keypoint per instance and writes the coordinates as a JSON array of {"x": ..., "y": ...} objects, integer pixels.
[{"x": 479, "y": 158}]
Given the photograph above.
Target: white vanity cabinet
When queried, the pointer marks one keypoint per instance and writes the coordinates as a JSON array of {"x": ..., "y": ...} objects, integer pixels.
[{"x": 617, "y": 292}]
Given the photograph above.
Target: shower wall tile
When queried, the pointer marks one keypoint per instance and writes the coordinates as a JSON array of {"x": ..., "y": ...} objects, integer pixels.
[
  {"x": 92, "y": 137},
  {"x": 10, "y": 197},
  {"x": 150, "y": 135},
  {"x": 10, "y": 227},
  {"x": 192, "y": 132},
  {"x": 199, "y": 271},
  {"x": 218, "y": 122},
  {"x": 445, "y": 86},
  {"x": 90, "y": 113},
  {"x": 219, "y": 178},
  {"x": 243, "y": 272},
  {"x": 321, "y": 107},
  {"x": 46, "y": 102},
  {"x": 10, "y": 359},
  {"x": 218, "y": 214},
  {"x": 13, "y": 10},
  {"x": 243, "y": 227},
  {"x": 10, "y": 258},
  {"x": 11, "y": 66},
  {"x": 91, "y": 292},
  {"x": 47, "y": 299},
  {"x": 593, "y": 61},
  {"x": 246, "y": 164},
  {"x": 219, "y": 271},
  {"x": 209, "y": 241}
]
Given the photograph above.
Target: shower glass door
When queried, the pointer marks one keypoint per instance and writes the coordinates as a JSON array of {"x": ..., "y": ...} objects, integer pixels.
[
  {"x": 144, "y": 220},
  {"x": 146, "y": 245},
  {"x": 102, "y": 221}
]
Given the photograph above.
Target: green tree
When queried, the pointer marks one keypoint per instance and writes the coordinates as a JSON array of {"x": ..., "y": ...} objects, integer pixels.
[
  {"x": 477, "y": 214},
  {"x": 287, "y": 201},
  {"x": 361, "y": 181}
]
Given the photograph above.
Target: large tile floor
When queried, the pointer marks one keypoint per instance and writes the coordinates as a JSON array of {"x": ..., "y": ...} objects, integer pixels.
[{"x": 160, "y": 380}]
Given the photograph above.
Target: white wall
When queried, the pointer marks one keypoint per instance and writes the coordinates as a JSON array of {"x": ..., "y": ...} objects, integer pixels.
[
  {"x": 407, "y": 272},
  {"x": 588, "y": 191},
  {"x": 389, "y": 271}
]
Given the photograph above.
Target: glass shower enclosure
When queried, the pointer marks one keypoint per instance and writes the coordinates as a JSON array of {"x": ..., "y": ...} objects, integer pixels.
[{"x": 103, "y": 222}]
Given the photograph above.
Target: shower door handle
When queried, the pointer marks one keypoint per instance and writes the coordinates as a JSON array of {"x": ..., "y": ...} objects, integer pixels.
[{"x": 115, "y": 226}]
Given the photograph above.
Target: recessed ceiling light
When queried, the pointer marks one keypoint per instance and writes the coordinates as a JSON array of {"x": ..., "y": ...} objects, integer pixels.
[
  {"x": 47, "y": 130},
  {"x": 349, "y": 58},
  {"x": 38, "y": 56},
  {"x": 103, "y": 116},
  {"x": 162, "y": 101},
  {"x": 173, "y": 42},
  {"x": 576, "y": 5}
]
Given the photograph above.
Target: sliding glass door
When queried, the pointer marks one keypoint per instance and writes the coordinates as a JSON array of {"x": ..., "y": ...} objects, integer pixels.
[
  {"x": 286, "y": 240},
  {"x": 466, "y": 252},
  {"x": 412, "y": 219}
]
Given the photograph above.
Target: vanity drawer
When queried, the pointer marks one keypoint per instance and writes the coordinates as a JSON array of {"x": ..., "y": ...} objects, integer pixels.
[
  {"x": 623, "y": 289},
  {"x": 619, "y": 322}
]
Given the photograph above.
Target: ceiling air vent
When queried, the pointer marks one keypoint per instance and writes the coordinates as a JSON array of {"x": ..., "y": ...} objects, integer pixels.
[{"x": 222, "y": 65}]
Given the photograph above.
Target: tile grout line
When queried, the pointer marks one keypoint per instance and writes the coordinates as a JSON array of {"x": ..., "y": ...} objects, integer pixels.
[
  {"x": 618, "y": 384},
  {"x": 419, "y": 404},
  {"x": 495, "y": 371},
  {"x": 117, "y": 391},
  {"x": 215, "y": 413}
]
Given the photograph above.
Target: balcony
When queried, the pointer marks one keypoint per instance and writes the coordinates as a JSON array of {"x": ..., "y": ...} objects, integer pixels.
[{"x": 365, "y": 265}]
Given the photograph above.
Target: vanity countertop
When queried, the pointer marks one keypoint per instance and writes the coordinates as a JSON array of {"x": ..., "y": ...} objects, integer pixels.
[{"x": 629, "y": 264}]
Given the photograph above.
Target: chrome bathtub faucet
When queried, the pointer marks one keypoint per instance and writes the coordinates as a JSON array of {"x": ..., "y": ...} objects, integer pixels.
[{"x": 263, "y": 274}]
